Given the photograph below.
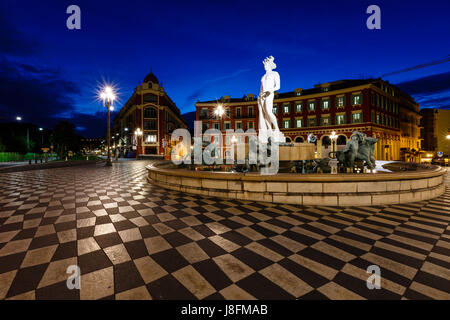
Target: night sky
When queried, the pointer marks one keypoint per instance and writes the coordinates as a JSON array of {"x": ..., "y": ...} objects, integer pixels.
[{"x": 202, "y": 50}]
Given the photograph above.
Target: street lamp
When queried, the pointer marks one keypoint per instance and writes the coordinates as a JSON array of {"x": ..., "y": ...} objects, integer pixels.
[
  {"x": 333, "y": 140},
  {"x": 42, "y": 137},
  {"x": 137, "y": 133},
  {"x": 19, "y": 118},
  {"x": 107, "y": 95},
  {"x": 219, "y": 111}
]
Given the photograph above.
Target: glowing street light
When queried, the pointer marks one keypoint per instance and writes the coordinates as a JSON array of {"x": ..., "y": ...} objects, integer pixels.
[
  {"x": 219, "y": 111},
  {"x": 138, "y": 133},
  {"x": 107, "y": 95},
  {"x": 333, "y": 140},
  {"x": 18, "y": 118},
  {"x": 233, "y": 139}
]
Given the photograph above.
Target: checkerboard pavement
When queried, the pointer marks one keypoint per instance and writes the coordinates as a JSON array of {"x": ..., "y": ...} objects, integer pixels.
[{"x": 133, "y": 240}]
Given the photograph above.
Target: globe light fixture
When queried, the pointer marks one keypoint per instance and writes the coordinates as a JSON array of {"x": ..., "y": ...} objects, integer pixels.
[
  {"x": 108, "y": 95},
  {"x": 333, "y": 140},
  {"x": 18, "y": 118},
  {"x": 219, "y": 111}
]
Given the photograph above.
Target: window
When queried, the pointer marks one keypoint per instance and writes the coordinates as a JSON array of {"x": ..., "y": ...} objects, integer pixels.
[
  {"x": 357, "y": 117},
  {"x": 149, "y": 125},
  {"x": 275, "y": 109},
  {"x": 373, "y": 116},
  {"x": 286, "y": 124},
  {"x": 298, "y": 107},
  {"x": 204, "y": 113},
  {"x": 311, "y": 105},
  {"x": 340, "y": 102},
  {"x": 286, "y": 108},
  {"x": 149, "y": 113},
  {"x": 340, "y": 119},
  {"x": 378, "y": 118},
  {"x": 150, "y": 138},
  {"x": 216, "y": 125},
  {"x": 227, "y": 140},
  {"x": 228, "y": 112},
  {"x": 356, "y": 99},
  {"x": 227, "y": 125},
  {"x": 325, "y": 104},
  {"x": 311, "y": 122},
  {"x": 150, "y": 98},
  {"x": 250, "y": 112},
  {"x": 299, "y": 123},
  {"x": 250, "y": 125},
  {"x": 238, "y": 112},
  {"x": 238, "y": 125},
  {"x": 325, "y": 121},
  {"x": 205, "y": 126}
]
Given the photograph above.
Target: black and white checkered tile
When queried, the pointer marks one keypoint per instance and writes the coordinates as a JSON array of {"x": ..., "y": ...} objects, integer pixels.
[{"x": 132, "y": 240}]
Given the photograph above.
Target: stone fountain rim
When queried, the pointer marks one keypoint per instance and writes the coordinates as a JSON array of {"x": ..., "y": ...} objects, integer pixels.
[{"x": 289, "y": 177}]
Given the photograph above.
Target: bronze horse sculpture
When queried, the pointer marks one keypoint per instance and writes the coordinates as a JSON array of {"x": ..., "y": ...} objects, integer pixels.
[{"x": 359, "y": 147}]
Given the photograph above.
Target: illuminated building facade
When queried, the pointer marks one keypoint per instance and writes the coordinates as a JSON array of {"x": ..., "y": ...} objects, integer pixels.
[
  {"x": 150, "y": 111},
  {"x": 435, "y": 130}
]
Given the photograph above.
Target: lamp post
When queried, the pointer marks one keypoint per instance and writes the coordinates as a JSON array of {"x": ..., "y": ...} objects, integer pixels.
[
  {"x": 138, "y": 134},
  {"x": 107, "y": 95},
  {"x": 219, "y": 112},
  {"x": 19, "y": 118},
  {"x": 42, "y": 136},
  {"x": 448, "y": 155},
  {"x": 333, "y": 141}
]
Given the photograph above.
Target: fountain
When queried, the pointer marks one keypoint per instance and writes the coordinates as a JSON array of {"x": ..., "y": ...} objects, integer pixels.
[{"x": 266, "y": 168}]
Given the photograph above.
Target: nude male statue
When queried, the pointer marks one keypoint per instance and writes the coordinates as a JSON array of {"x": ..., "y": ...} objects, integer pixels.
[{"x": 270, "y": 82}]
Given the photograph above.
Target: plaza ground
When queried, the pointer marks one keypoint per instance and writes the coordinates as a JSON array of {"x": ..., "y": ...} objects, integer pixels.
[{"x": 133, "y": 240}]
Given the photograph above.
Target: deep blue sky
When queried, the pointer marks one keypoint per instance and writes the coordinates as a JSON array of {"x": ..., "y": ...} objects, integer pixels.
[{"x": 202, "y": 50}]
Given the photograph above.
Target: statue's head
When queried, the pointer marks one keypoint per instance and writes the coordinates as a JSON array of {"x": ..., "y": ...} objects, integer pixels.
[{"x": 269, "y": 64}]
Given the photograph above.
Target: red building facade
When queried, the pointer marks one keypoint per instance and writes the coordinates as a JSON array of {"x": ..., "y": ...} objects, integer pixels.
[
  {"x": 372, "y": 106},
  {"x": 150, "y": 111}
]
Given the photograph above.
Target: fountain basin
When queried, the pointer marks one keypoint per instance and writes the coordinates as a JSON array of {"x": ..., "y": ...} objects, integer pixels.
[{"x": 305, "y": 189}]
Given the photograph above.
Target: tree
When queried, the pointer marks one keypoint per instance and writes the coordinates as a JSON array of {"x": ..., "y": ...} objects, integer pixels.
[{"x": 64, "y": 138}]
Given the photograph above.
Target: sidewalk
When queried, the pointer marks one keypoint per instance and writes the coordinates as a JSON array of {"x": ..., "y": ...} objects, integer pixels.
[{"x": 25, "y": 166}]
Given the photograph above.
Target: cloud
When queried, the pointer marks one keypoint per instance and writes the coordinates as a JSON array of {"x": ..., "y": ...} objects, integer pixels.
[
  {"x": 37, "y": 94},
  {"x": 435, "y": 101},
  {"x": 226, "y": 77},
  {"x": 194, "y": 96},
  {"x": 43, "y": 96},
  {"x": 13, "y": 41},
  {"x": 427, "y": 85}
]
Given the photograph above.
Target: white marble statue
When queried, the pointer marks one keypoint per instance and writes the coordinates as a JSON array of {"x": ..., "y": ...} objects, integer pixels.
[{"x": 268, "y": 125}]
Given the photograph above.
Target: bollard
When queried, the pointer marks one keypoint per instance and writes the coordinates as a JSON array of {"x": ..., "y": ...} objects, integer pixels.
[
  {"x": 87, "y": 158},
  {"x": 29, "y": 161},
  {"x": 66, "y": 158},
  {"x": 41, "y": 160},
  {"x": 35, "y": 160}
]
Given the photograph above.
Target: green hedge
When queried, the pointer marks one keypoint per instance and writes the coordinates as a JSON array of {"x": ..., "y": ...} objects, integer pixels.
[{"x": 10, "y": 156}]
